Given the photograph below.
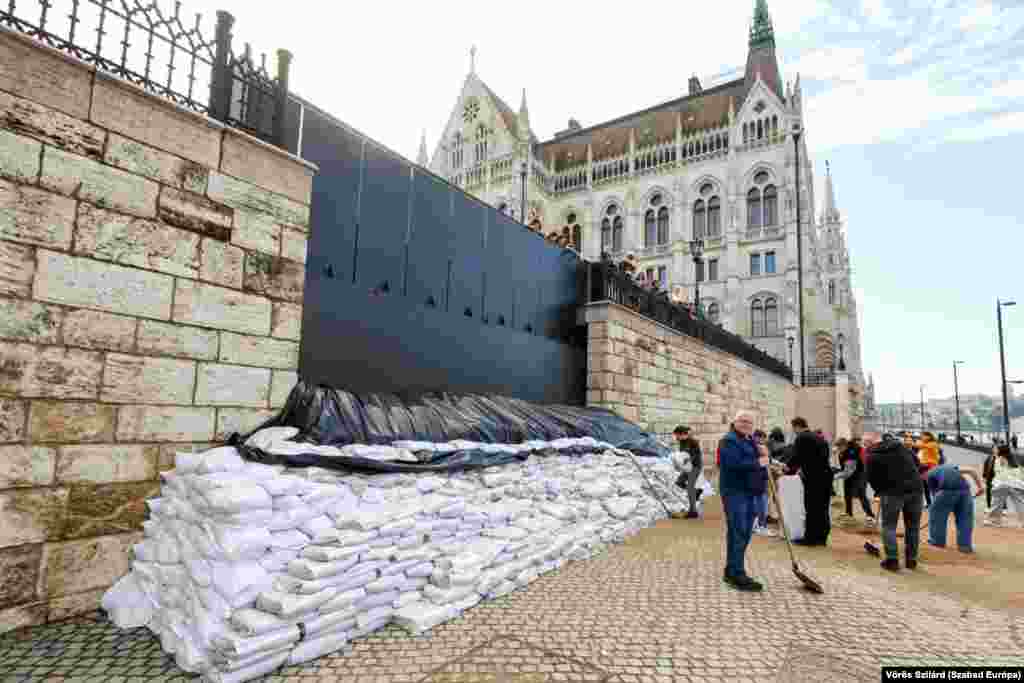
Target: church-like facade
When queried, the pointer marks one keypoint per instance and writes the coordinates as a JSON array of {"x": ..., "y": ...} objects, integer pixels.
[{"x": 715, "y": 164}]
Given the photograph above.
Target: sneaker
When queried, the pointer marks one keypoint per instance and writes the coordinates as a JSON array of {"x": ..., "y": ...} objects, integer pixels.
[
  {"x": 743, "y": 583},
  {"x": 911, "y": 564},
  {"x": 765, "y": 531},
  {"x": 692, "y": 515},
  {"x": 966, "y": 551},
  {"x": 891, "y": 565}
]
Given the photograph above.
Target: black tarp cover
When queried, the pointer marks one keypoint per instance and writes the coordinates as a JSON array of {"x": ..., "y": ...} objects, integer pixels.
[{"x": 335, "y": 417}]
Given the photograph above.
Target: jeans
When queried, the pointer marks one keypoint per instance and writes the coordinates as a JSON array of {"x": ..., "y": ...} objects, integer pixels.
[
  {"x": 761, "y": 510},
  {"x": 856, "y": 487},
  {"x": 739, "y": 516},
  {"x": 961, "y": 505},
  {"x": 910, "y": 505}
]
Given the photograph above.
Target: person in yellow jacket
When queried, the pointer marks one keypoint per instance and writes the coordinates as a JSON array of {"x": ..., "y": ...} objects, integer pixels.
[{"x": 928, "y": 456}]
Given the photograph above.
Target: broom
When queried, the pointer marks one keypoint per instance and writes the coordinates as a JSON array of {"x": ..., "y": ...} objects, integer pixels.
[
  {"x": 809, "y": 583},
  {"x": 671, "y": 515}
]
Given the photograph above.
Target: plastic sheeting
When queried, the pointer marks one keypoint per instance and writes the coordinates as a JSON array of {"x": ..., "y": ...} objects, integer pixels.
[{"x": 335, "y": 417}]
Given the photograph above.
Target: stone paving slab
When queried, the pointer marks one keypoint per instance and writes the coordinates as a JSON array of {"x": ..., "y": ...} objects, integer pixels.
[{"x": 654, "y": 609}]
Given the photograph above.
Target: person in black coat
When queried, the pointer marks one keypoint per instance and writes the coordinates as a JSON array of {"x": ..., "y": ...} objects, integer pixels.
[
  {"x": 811, "y": 456},
  {"x": 893, "y": 475}
]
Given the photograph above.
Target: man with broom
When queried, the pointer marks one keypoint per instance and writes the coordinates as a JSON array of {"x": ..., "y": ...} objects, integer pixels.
[
  {"x": 893, "y": 475},
  {"x": 742, "y": 482}
]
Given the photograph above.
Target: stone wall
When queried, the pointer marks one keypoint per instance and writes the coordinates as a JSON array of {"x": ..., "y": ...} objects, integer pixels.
[
  {"x": 659, "y": 378},
  {"x": 151, "y": 280}
]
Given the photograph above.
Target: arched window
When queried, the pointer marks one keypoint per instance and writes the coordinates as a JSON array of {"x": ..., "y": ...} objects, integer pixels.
[
  {"x": 756, "y": 318},
  {"x": 771, "y": 318},
  {"x": 714, "y": 312},
  {"x": 617, "y": 234},
  {"x": 457, "y": 151},
  {"x": 775, "y": 124},
  {"x": 714, "y": 217},
  {"x": 577, "y": 238},
  {"x": 831, "y": 291},
  {"x": 771, "y": 206},
  {"x": 481, "y": 143},
  {"x": 606, "y": 236},
  {"x": 754, "y": 208},
  {"x": 663, "y": 225},
  {"x": 699, "y": 220},
  {"x": 536, "y": 226},
  {"x": 649, "y": 228}
]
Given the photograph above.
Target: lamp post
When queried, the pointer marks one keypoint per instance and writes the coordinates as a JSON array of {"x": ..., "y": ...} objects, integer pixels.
[
  {"x": 522, "y": 178},
  {"x": 790, "y": 341},
  {"x": 697, "y": 249},
  {"x": 956, "y": 398},
  {"x": 922, "y": 408},
  {"x": 1002, "y": 365},
  {"x": 842, "y": 361},
  {"x": 799, "y": 257}
]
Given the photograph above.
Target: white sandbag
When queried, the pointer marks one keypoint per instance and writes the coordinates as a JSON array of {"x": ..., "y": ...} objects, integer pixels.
[
  {"x": 312, "y": 569},
  {"x": 277, "y": 561},
  {"x": 385, "y": 583},
  {"x": 268, "y": 436},
  {"x": 247, "y": 674},
  {"x": 287, "y": 606},
  {"x": 343, "y": 601},
  {"x": 292, "y": 539},
  {"x": 237, "y": 544},
  {"x": 407, "y": 598},
  {"x": 444, "y": 596},
  {"x": 372, "y": 616},
  {"x": 225, "y": 665},
  {"x": 621, "y": 507},
  {"x": 250, "y": 622},
  {"x": 236, "y": 646},
  {"x": 313, "y": 648},
  {"x": 398, "y": 567},
  {"x": 356, "y": 538},
  {"x": 421, "y": 616},
  {"x": 127, "y": 604},
  {"x": 240, "y": 582},
  {"x": 237, "y": 498},
  {"x": 373, "y": 600},
  {"x": 420, "y": 569},
  {"x": 329, "y": 553},
  {"x": 791, "y": 498}
]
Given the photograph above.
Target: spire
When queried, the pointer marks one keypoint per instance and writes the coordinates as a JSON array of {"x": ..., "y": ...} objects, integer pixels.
[
  {"x": 472, "y": 61},
  {"x": 421, "y": 158},
  {"x": 761, "y": 31},
  {"x": 524, "y": 118},
  {"x": 830, "y": 196}
]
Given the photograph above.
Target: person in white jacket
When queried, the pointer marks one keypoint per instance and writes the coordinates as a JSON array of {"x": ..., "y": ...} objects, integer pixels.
[{"x": 1007, "y": 484}]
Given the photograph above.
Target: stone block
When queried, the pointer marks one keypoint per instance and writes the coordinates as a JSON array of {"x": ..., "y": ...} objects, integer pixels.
[
  {"x": 101, "y": 509},
  {"x": 17, "y": 268},
  {"x": 106, "y": 463},
  {"x": 20, "y": 568},
  {"x": 19, "y": 157},
  {"x": 165, "y": 423},
  {"x": 50, "y": 126},
  {"x": 12, "y": 420},
  {"x": 221, "y": 263},
  {"x": 195, "y": 213},
  {"x": 22, "y": 466},
  {"x": 294, "y": 245},
  {"x": 76, "y": 566},
  {"x": 26, "y": 320},
  {"x": 144, "y": 379},
  {"x": 262, "y": 352},
  {"x": 44, "y": 75},
  {"x": 31, "y": 515},
  {"x": 102, "y": 185},
  {"x": 286, "y": 321},
  {"x": 61, "y": 421},
  {"x": 624, "y": 383},
  {"x": 121, "y": 108},
  {"x": 23, "y": 616},
  {"x": 71, "y": 605},
  {"x": 274, "y": 278},
  {"x": 265, "y": 166},
  {"x": 281, "y": 385},
  {"x": 233, "y": 385},
  {"x": 167, "y": 339},
  {"x": 33, "y": 216},
  {"x": 49, "y": 371},
  {"x": 133, "y": 241},
  {"x": 98, "y": 330},
  {"x": 220, "y": 308},
  {"x": 257, "y": 232},
  {"x": 92, "y": 284},
  {"x": 165, "y": 458},
  {"x": 239, "y": 194},
  {"x": 241, "y": 420},
  {"x": 153, "y": 163}
]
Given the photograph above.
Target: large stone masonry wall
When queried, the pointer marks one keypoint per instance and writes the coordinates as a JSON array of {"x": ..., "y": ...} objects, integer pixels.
[
  {"x": 660, "y": 378},
  {"x": 151, "y": 281}
]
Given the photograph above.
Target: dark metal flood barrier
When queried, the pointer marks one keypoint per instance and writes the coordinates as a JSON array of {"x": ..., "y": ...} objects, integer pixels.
[{"x": 414, "y": 286}]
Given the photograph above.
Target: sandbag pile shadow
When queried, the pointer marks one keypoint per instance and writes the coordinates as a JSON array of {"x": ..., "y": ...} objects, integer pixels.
[{"x": 327, "y": 416}]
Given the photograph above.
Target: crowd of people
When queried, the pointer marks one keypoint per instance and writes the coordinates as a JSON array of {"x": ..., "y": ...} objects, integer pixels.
[{"x": 908, "y": 476}]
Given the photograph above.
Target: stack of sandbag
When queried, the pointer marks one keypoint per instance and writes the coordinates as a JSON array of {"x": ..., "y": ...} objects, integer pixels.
[{"x": 246, "y": 567}]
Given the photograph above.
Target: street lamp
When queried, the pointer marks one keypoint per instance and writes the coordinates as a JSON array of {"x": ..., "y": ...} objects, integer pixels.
[
  {"x": 956, "y": 398},
  {"x": 799, "y": 256},
  {"x": 1002, "y": 364},
  {"x": 790, "y": 341},
  {"x": 842, "y": 362},
  {"x": 522, "y": 177},
  {"x": 922, "y": 408},
  {"x": 697, "y": 249}
]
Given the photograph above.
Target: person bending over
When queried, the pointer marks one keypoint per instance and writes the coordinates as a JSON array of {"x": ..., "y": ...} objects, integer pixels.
[
  {"x": 743, "y": 479},
  {"x": 854, "y": 478},
  {"x": 951, "y": 494},
  {"x": 893, "y": 475}
]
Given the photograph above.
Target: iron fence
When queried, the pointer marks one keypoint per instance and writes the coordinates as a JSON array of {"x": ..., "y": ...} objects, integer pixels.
[
  {"x": 820, "y": 377},
  {"x": 605, "y": 282},
  {"x": 166, "y": 54}
]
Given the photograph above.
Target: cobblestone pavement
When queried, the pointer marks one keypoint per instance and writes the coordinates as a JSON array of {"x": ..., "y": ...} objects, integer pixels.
[{"x": 654, "y": 609}]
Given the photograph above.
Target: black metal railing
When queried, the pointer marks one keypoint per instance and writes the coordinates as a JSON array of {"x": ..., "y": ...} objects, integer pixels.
[
  {"x": 605, "y": 282},
  {"x": 155, "y": 50},
  {"x": 820, "y": 377}
]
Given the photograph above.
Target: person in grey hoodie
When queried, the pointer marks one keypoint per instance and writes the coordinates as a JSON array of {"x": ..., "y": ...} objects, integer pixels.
[{"x": 690, "y": 467}]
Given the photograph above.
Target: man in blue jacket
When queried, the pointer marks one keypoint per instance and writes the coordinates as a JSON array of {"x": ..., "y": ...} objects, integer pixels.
[{"x": 742, "y": 481}]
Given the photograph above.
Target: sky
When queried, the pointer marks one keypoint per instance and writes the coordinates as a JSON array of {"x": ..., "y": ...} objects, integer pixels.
[{"x": 917, "y": 104}]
